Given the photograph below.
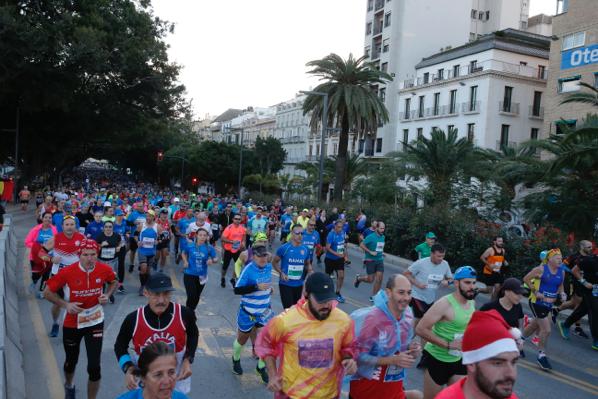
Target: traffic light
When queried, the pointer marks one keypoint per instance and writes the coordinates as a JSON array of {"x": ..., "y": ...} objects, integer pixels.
[
  {"x": 160, "y": 156},
  {"x": 194, "y": 181}
]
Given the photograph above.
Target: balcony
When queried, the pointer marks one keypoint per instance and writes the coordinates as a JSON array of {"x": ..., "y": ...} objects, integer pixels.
[
  {"x": 536, "y": 112},
  {"x": 406, "y": 116},
  {"x": 378, "y": 28},
  {"x": 509, "y": 144},
  {"x": 471, "y": 107},
  {"x": 508, "y": 108},
  {"x": 379, "y": 5},
  {"x": 292, "y": 140}
]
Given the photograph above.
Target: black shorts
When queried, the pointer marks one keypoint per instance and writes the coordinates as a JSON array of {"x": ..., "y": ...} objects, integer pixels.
[
  {"x": 333, "y": 265},
  {"x": 374, "y": 266},
  {"x": 441, "y": 372},
  {"x": 491, "y": 279},
  {"x": 419, "y": 307},
  {"x": 132, "y": 244},
  {"x": 163, "y": 244},
  {"x": 539, "y": 311},
  {"x": 24, "y": 201},
  {"x": 577, "y": 288}
]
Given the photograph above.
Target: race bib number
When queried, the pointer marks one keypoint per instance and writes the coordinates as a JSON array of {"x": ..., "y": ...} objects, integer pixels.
[
  {"x": 340, "y": 248},
  {"x": 148, "y": 242},
  {"x": 394, "y": 373},
  {"x": 496, "y": 266},
  {"x": 434, "y": 280},
  {"x": 310, "y": 247},
  {"x": 316, "y": 353},
  {"x": 456, "y": 352},
  {"x": 236, "y": 244},
  {"x": 380, "y": 247},
  {"x": 295, "y": 272},
  {"x": 108, "y": 253},
  {"x": 90, "y": 317},
  {"x": 595, "y": 290},
  {"x": 215, "y": 226}
]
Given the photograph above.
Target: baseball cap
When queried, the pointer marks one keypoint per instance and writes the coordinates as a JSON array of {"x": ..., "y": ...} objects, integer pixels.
[
  {"x": 260, "y": 237},
  {"x": 159, "y": 282},
  {"x": 118, "y": 212},
  {"x": 151, "y": 212},
  {"x": 321, "y": 286},
  {"x": 465, "y": 272},
  {"x": 430, "y": 235},
  {"x": 513, "y": 284},
  {"x": 305, "y": 210},
  {"x": 176, "y": 199}
]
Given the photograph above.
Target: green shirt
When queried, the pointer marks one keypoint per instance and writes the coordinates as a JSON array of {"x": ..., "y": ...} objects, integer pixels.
[
  {"x": 424, "y": 250},
  {"x": 374, "y": 242},
  {"x": 451, "y": 330}
]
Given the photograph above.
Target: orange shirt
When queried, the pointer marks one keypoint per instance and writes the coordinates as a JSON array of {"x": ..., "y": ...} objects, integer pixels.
[{"x": 236, "y": 234}]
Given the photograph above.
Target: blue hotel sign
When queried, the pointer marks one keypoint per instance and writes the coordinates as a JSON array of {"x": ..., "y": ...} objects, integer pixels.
[{"x": 579, "y": 57}]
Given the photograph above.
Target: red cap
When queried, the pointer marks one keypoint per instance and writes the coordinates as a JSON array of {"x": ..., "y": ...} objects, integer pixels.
[{"x": 88, "y": 243}]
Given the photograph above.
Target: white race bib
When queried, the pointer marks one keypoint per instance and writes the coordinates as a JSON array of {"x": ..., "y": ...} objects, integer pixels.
[
  {"x": 295, "y": 272},
  {"x": 380, "y": 247},
  {"x": 90, "y": 317},
  {"x": 148, "y": 242},
  {"x": 434, "y": 280},
  {"x": 456, "y": 352},
  {"x": 340, "y": 248},
  {"x": 108, "y": 253}
]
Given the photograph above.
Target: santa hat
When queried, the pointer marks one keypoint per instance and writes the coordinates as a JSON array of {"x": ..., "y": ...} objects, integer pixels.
[
  {"x": 88, "y": 243},
  {"x": 487, "y": 335}
]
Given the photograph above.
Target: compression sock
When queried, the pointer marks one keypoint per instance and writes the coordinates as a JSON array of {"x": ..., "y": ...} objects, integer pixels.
[
  {"x": 261, "y": 364},
  {"x": 237, "y": 348}
]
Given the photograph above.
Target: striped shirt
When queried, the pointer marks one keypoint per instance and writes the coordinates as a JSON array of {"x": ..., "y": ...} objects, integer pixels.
[{"x": 256, "y": 302}]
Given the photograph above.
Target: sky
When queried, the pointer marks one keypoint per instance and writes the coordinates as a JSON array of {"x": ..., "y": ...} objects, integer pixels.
[{"x": 241, "y": 53}]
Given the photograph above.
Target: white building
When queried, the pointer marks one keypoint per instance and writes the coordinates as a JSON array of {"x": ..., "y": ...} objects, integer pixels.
[
  {"x": 246, "y": 124},
  {"x": 540, "y": 24},
  {"x": 292, "y": 129},
  {"x": 400, "y": 33},
  {"x": 491, "y": 90}
]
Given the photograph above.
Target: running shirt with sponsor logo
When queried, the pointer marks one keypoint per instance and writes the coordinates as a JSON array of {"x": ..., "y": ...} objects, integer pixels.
[
  {"x": 148, "y": 238},
  {"x": 67, "y": 248},
  {"x": 337, "y": 244},
  {"x": 292, "y": 263},
  {"x": 310, "y": 240}
]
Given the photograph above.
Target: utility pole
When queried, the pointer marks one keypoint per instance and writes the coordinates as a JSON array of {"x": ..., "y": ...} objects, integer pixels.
[
  {"x": 241, "y": 159},
  {"x": 323, "y": 138}
]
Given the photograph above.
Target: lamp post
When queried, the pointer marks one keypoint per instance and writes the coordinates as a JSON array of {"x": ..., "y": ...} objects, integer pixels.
[
  {"x": 241, "y": 159},
  {"x": 323, "y": 142}
]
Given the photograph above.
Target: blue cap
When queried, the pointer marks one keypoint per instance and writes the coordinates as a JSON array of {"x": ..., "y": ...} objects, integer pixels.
[
  {"x": 118, "y": 212},
  {"x": 543, "y": 255},
  {"x": 465, "y": 272}
]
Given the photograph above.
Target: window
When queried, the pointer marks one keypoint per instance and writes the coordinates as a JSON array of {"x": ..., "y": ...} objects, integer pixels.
[
  {"x": 456, "y": 69},
  {"x": 434, "y": 128},
  {"x": 567, "y": 85},
  {"x": 387, "y": 20},
  {"x": 420, "y": 133},
  {"x": 426, "y": 77},
  {"x": 504, "y": 136},
  {"x": 534, "y": 133},
  {"x": 379, "y": 145},
  {"x": 384, "y": 67},
  {"x": 366, "y": 51},
  {"x": 563, "y": 125},
  {"x": 382, "y": 94},
  {"x": 541, "y": 72},
  {"x": 440, "y": 75},
  {"x": 562, "y": 6},
  {"x": 407, "y": 108},
  {"x": 473, "y": 97},
  {"x": 537, "y": 103},
  {"x": 368, "y": 28},
  {"x": 436, "y": 103},
  {"x": 573, "y": 40},
  {"x": 506, "y": 105},
  {"x": 405, "y": 138},
  {"x": 318, "y": 152},
  {"x": 453, "y": 102},
  {"x": 310, "y": 150},
  {"x": 450, "y": 127},
  {"x": 370, "y": 5},
  {"x": 420, "y": 110},
  {"x": 360, "y": 146},
  {"x": 523, "y": 25},
  {"x": 473, "y": 66},
  {"x": 522, "y": 63},
  {"x": 474, "y": 13},
  {"x": 595, "y": 79},
  {"x": 470, "y": 131},
  {"x": 385, "y": 45},
  {"x": 487, "y": 15},
  {"x": 481, "y": 15}
]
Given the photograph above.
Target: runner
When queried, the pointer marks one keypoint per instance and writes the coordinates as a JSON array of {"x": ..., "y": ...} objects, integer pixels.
[
  {"x": 373, "y": 246},
  {"x": 255, "y": 286},
  {"x": 293, "y": 263},
  {"x": 40, "y": 241},
  {"x": 442, "y": 327},
  {"x": 66, "y": 252},
  {"x": 494, "y": 263},
  {"x": 314, "y": 342},
  {"x": 303, "y": 218},
  {"x": 424, "y": 249},
  {"x": 272, "y": 223},
  {"x": 285, "y": 224},
  {"x": 109, "y": 244},
  {"x": 323, "y": 231},
  {"x": 95, "y": 228},
  {"x": 336, "y": 256},
  {"x": 85, "y": 315},
  {"x": 120, "y": 228},
  {"x": 197, "y": 256},
  {"x": 311, "y": 239},
  {"x": 546, "y": 284},
  {"x": 161, "y": 320},
  {"x": 366, "y": 232},
  {"x": 200, "y": 222},
  {"x": 214, "y": 220},
  {"x": 148, "y": 235},
  {"x": 24, "y": 197},
  {"x": 181, "y": 212},
  {"x": 134, "y": 220},
  {"x": 257, "y": 224},
  {"x": 490, "y": 357},
  {"x": 163, "y": 240},
  {"x": 384, "y": 344},
  {"x": 156, "y": 371},
  {"x": 233, "y": 242},
  {"x": 181, "y": 229},
  {"x": 246, "y": 256}
]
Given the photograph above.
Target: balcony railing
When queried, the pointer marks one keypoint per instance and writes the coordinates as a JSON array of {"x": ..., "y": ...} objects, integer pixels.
[
  {"x": 536, "y": 112},
  {"x": 379, "y": 4},
  {"x": 406, "y": 116},
  {"x": 470, "y": 107},
  {"x": 378, "y": 28},
  {"x": 508, "y": 108},
  {"x": 509, "y": 144},
  {"x": 292, "y": 140}
]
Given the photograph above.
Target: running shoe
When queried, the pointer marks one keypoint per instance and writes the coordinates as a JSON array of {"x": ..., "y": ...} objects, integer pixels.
[
  {"x": 544, "y": 363},
  {"x": 54, "y": 331},
  {"x": 222, "y": 282},
  {"x": 372, "y": 299},
  {"x": 580, "y": 332},
  {"x": 563, "y": 330},
  {"x": 237, "y": 369},
  {"x": 121, "y": 290},
  {"x": 554, "y": 313},
  {"x": 263, "y": 373},
  {"x": 131, "y": 267},
  {"x": 69, "y": 392},
  {"x": 340, "y": 298},
  {"x": 356, "y": 282},
  {"x": 233, "y": 282}
]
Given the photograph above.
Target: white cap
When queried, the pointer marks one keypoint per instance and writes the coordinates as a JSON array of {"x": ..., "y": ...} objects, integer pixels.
[
  {"x": 107, "y": 203},
  {"x": 176, "y": 199}
]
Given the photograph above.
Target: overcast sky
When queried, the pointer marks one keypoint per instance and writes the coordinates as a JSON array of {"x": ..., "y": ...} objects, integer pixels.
[{"x": 240, "y": 53}]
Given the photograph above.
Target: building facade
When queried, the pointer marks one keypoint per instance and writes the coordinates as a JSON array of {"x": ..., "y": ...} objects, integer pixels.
[
  {"x": 292, "y": 129},
  {"x": 492, "y": 90},
  {"x": 400, "y": 33},
  {"x": 573, "y": 59}
]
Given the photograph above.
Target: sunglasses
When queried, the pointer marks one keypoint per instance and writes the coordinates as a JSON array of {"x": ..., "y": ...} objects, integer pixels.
[
  {"x": 298, "y": 233},
  {"x": 260, "y": 256}
]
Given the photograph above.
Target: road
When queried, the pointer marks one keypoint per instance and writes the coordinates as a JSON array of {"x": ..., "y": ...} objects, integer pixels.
[{"x": 575, "y": 374}]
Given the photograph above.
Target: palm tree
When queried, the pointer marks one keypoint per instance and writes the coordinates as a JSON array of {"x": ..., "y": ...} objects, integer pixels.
[
  {"x": 583, "y": 97},
  {"x": 353, "y": 104},
  {"x": 442, "y": 159}
]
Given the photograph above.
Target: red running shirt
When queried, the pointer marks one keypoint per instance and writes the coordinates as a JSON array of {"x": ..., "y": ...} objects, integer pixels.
[
  {"x": 67, "y": 248},
  {"x": 85, "y": 287},
  {"x": 173, "y": 335},
  {"x": 455, "y": 391}
]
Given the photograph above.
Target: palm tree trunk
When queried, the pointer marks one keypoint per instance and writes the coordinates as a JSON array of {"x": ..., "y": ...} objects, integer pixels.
[{"x": 341, "y": 160}]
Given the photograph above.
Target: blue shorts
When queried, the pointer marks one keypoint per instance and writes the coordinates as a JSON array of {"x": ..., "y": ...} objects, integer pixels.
[{"x": 246, "y": 321}]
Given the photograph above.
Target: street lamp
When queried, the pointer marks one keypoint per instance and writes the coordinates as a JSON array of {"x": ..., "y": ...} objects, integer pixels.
[
  {"x": 240, "y": 158},
  {"x": 322, "y": 143}
]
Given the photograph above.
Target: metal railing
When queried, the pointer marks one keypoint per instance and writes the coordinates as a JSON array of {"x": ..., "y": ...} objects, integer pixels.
[
  {"x": 509, "y": 144},
  {"x": 471, "y": 107},
  {"x": 510, "y": 108},
  {"x": 536, "y": 112}
]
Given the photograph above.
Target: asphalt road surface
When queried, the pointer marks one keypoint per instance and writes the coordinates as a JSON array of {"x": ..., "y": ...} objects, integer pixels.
[{"x": 575, "y": 373}]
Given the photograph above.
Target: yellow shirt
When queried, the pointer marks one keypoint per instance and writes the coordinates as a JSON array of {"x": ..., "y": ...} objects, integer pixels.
[{"x": 303, "y": 221}]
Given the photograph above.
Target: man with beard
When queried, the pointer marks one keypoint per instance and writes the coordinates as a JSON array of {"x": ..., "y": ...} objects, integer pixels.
[
  {"x": 442, "y": 327},
  {"x": 493, "y": 273},
  {"x": 314, "y": 341},
  {"x": 490, "y": 355}
]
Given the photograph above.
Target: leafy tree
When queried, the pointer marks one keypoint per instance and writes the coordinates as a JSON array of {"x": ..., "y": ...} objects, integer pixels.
[
  {"x": 270, "y": 155},
  {"x": 352, "y": 104}
]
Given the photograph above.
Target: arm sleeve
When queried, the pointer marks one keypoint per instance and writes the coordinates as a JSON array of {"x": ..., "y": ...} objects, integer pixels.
[
  {"x": 190, "y": 322},
  {"x": 121, "y": 345},
  {"x": 247, "y": 289}
]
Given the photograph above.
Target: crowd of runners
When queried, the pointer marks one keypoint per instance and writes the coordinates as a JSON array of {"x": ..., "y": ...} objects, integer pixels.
[{"x": 88, "y": 238}]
